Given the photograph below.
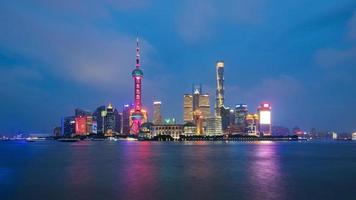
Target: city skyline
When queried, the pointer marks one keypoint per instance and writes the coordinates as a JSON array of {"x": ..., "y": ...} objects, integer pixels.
[{"x": 53, "y": 69}]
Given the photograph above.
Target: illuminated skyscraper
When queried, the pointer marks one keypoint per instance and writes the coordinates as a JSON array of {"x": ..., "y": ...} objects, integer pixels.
[
  {"x": 188, "y": 108},
  {"x": 197, "y": 108},
  {"x": 219, "y": 87},
  {"x": 109, "y": 121},
  {"x": 126, "y": 120},
  {"x": 251, "y": 124},
  {"x": 157, "y": 117},
  {"x": 99, "y": 118},
  {"x": 137, "y": 114},
  {"x": 204, "y": 105},
  {"x": 264, "y": 115}
]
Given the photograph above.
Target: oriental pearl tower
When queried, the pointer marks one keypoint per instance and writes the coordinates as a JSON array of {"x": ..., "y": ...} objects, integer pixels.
[{"x": 137, "y": 114}]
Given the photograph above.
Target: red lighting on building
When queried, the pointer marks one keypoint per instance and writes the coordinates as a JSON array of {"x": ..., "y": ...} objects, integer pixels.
[{"x": 80, "y": 125}]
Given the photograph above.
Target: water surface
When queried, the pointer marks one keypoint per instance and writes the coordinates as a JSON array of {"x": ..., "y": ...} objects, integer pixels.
[{"x": 177, "y": 170}]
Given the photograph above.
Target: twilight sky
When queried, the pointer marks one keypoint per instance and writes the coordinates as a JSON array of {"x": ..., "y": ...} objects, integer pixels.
[{"x": 300, "y": 55}]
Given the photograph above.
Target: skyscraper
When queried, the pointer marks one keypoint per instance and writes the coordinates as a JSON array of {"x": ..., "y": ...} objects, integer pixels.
[
  {"x": 118, "y": 123},
  {"x": 99, "y": 118},
  {"x": 264, "y": 115},
  {"x": 109, "y": 121},
  {"x": 126, "y": 119},
  {"x": 197, "y": 108},
  {"x": 68, "y": 126},
  {"x": 137, "y": 114},
  {"x": 157, "y": 117},
  {"x": 241, "y": 112},
  {"x": 188, "y": 108},
  {"x": 219, "y": 87}
]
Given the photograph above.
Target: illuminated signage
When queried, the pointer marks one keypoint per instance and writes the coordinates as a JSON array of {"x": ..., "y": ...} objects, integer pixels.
[
  {"x": 266, "y": 105},
  {"x": 265, "y": 117}
]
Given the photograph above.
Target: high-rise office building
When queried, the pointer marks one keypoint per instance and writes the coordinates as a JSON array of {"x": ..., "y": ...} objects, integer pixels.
[
  {"x": 197, "y": 108},
  {"x": 241, "y": 112},
  {"x": 137, "y": 114},
  {"x": 118, "y": 123},
  {"x": 109, "y": 121},
  {"x": 157, "y": 117},
  {"x": 264, "y": 115},
  {"x": 68, "y": 126},
  {"x": 126, "y": 119},
  {"x": 225, "y": 118},
  {"x": 188, "y": 108},
  {"x": 204, "y": 105},
  {"x": 80, "y": 126},
  {"x": 219, "y": 87},
  {"x": 99, "y": 115}
]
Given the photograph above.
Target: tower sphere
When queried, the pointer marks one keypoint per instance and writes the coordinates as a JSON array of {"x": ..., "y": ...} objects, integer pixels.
[{"x": 137, "y": 72}]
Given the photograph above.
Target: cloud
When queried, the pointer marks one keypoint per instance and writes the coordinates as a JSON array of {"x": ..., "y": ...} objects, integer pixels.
[
  {"x": 79, "y": 52},
  {"x": 198, "y": 20},
  {"x": 340, "y": 57}
]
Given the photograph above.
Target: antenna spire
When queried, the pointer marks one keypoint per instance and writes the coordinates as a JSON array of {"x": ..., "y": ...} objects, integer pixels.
[{"x": 137, "y": 52}]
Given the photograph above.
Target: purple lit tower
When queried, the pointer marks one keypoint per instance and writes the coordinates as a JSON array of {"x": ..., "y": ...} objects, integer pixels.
[{"x": 137, "y": 114}]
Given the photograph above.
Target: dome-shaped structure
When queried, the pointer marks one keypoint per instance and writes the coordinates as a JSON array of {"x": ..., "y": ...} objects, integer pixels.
[{"x": 137, "y": 72}]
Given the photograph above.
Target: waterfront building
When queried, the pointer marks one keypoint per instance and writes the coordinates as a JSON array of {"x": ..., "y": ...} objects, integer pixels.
[
  {"x": 118, "y": 123},
  {"x": 89, "y": 124},
  {"x": 109, "y": 121},
  {"x": 188, "y": 108},
  {"x": 80, "y": 126},
  {"x": 68, "y": 126},
  {"x": 99, "y": 115},
  {"x": 213, "y": 126},
  {"x": 252, "y": 124},
  {"x": 219, "y": 87},
  {"x": 334, "y": 136},
  {"x": 125, "y": 120},
  {"x": 137, "y": 114},
  {"x": 264, "y": 114},
  {"x": 197, "y": 108},
  {"x": 353, "y": 136},
  {"x": 241, "y": 112},
  {"x": 173, "y": 130},
  {"x": 157, "y": 117},
  {"x": 189, "y": 129},
  {"x": 225, "y": 118}
]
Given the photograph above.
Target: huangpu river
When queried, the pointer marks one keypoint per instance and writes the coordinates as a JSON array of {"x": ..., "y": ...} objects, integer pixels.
[{"x": 177, "y": 170}]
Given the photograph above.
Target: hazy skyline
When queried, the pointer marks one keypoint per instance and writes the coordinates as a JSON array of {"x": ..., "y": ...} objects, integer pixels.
[{"x": 56, "y": 56}]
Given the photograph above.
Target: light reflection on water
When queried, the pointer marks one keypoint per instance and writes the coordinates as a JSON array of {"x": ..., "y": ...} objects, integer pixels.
[
  {"x": 264, "y": 176},
  {"x": 173, "y": 170}
]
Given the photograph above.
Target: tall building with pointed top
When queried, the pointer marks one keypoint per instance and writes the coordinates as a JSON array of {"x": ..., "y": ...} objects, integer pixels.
[
  {"x": 137, "y": 114},
  {"x": 219, "y": 87}
]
